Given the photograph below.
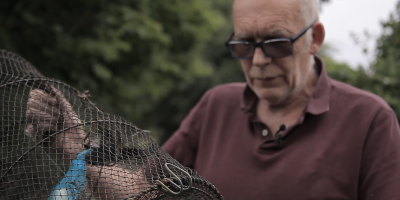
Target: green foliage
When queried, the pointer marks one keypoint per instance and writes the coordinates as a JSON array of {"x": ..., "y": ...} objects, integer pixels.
[
  {"x": 175, "y": 106},
  {"x": 130, "y": 55},
  {"x": 385, "y": 71},
  {"x": 336, "y": 70},
  {"x": 382, "y": 76}
]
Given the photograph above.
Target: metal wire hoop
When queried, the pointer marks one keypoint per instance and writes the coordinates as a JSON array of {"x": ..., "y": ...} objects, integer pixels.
[{"x": 181, "y": 187}]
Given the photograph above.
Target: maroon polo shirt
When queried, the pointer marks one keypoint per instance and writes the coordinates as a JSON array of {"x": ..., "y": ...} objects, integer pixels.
[{"x": 345, "y": 146}]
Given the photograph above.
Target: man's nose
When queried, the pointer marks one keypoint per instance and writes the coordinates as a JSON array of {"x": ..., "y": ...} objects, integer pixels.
[{"x": 259, "y": 58}]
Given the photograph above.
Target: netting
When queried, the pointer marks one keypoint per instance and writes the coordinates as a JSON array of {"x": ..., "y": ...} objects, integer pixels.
[{"x": 56, "y": 144}]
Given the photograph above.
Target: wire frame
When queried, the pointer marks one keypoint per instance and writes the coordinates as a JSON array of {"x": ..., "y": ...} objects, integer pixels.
[{"x": 56, "y": 144}]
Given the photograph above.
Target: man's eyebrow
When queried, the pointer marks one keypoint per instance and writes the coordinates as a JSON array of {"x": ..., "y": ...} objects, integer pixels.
[
  {"x": 243, "y": 37},
  {"x": 278, "y": 33}
]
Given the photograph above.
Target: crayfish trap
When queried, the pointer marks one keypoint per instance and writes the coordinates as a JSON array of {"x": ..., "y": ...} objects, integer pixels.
[{"x": 56, "y": 145}]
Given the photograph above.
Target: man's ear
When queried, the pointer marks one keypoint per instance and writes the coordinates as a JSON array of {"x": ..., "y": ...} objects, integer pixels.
[{"x": 318, "y": 36}]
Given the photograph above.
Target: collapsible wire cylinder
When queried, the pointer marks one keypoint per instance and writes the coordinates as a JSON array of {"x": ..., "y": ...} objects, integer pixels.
[{"x": 56, "y": 144}]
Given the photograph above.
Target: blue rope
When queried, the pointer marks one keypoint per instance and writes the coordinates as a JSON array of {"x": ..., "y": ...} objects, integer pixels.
[{"x": 74, "y": 181}]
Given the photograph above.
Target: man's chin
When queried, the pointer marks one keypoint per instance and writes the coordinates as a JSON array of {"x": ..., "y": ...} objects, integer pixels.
[{"x": 271, "y": 96}]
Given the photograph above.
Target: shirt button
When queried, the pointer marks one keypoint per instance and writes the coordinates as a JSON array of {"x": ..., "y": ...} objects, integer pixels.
[{"x": 265, "y": 132}]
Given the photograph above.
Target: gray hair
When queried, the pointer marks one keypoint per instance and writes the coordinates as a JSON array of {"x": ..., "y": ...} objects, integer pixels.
[{"x": 309, "y": 9}]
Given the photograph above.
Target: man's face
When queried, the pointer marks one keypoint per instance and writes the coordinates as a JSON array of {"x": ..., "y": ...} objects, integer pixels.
[{"x": 273, "y": 80}]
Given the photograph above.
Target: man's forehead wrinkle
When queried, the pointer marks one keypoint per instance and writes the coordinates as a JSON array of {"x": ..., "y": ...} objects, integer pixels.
[
  {"x": 254, "y": 27},
  {"x": 263, "y": 16},
  {"x": 242, "y": 27},
  {"x": 279, "y": 33}
]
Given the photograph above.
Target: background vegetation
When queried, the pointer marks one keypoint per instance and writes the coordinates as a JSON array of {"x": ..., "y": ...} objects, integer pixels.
[{"x": 150, "y": 61}]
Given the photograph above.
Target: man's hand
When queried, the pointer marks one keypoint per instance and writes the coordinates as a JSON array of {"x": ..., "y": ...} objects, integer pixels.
[
  {"x": 114, "y": 182},
  {"x": 49, "y": 112}
]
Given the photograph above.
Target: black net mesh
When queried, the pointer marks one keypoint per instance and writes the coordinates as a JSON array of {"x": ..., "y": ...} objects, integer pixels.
[{"x": 56, "y": 144}]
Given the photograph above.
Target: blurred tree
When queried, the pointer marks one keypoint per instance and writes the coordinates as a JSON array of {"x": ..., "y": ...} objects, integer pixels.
[
  {"x": 336, "y": 70},
  {"x": 128, "y": 54},
  {"x": 383, "y": 75},
  {"x": 225, "y": 69}
]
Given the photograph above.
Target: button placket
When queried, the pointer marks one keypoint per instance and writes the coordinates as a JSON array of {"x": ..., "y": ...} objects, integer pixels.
[{"x": 264, "y": 132}]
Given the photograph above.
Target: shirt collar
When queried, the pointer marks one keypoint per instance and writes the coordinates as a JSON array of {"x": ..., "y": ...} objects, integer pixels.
[{"x": 318, "y": 103}]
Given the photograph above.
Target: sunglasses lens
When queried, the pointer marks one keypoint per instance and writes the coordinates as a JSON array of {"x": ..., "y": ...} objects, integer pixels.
[
  {"x": 278, "y": 49},
  {"x": 241, "y": 50},
  {"x": 272, "y": 49}
]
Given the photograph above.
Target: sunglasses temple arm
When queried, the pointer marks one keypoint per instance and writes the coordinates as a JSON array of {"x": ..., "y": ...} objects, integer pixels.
[{"x": 230, "y": 37}]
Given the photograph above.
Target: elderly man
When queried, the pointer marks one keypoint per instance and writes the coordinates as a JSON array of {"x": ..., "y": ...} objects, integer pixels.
[{"x": 291, "y": 132}]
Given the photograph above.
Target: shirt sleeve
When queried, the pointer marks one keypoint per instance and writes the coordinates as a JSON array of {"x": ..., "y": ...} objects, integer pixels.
[
  {"x": 183, "y": 144},
  {"x": 380, "y": 164}
]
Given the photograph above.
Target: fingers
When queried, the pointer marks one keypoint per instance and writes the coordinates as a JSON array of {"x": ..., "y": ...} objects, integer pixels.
[
  {"x": 42, "y": 114},
  {"x": 70, "y": 118},
  {"x": 42, "y": 110},
  {"x": 49, "y": 112},
  {"x": 71, "y": 140}
]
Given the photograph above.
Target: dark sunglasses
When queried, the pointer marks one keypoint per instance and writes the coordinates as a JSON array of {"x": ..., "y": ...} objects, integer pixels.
[{"x": 274, "y": 48}]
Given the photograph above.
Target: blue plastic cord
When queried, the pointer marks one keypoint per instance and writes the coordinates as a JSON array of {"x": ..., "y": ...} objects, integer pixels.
[{"x": 74, "y": 181}]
